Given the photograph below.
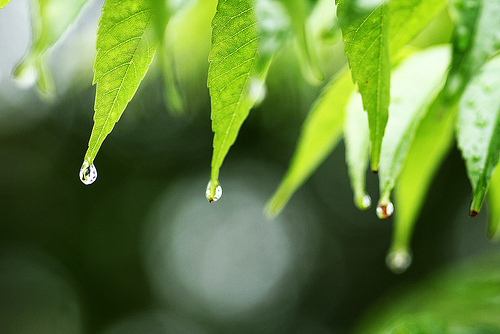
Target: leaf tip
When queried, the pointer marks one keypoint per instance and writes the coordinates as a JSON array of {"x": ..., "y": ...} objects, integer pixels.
[{"x": 473, "y": 213}]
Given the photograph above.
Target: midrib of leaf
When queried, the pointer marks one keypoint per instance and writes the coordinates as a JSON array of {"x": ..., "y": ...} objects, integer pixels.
[
  {"x": 113, "y": 104},
  {"x": 215, "y": 173}
]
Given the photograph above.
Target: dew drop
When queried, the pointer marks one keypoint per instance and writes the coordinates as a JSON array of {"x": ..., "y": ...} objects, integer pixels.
[
  {"x": 365, "y": 202},
  {"x": 385, "y": 210},
  {"x": 218, "y": 193},
  {"x": 398, "y": 261},
  {"x": 88, "y": 173}
]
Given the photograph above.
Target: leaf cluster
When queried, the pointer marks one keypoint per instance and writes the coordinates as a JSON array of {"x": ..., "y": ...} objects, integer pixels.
[{"x": 397, "y": 108}]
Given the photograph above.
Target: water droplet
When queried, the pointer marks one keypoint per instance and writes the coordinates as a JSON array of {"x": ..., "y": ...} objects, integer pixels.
[
  {"x": 399, "y": 260},
  {"x": 88, "y": 173},
  {"x": 364, "y": 202},
  {"x": 217, "y": 195},
  {"x": 385, "y": 210}
]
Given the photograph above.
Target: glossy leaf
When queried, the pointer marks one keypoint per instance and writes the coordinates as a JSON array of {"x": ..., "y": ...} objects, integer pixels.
[
  {"x": 415, "y": 83},
  {"x": 125, "y": 45},
  {"x": 366, "y": 46},
  {"x": 433, "y": 140},
  {"x": 461, "y": 300},
  {"x": 476, "y": 38},
  {"x": 233, "y": 66},
  {"x": 478, "y": 129},
  {"x": 4, "y": 3},
  {"x": 49, "y": 20},
  {"x": 320, "y": 134},
  {"x": 494, "y": 206},
  {"x": 357, "y": 146}
]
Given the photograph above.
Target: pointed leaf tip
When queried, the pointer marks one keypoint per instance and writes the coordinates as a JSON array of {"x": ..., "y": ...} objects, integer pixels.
[
  {"x": 233, "y": 61},
  {"x": 320, "y": 134},
  {"x": 126, "y": 44}
]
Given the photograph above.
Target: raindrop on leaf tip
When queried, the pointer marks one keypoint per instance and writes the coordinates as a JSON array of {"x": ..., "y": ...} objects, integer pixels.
[
  {"x": 217, "y": 195},
  {"x": 88, "y": 173},
  {"x": 398, "y": 261},
  {"x": 385, "y": 210}
]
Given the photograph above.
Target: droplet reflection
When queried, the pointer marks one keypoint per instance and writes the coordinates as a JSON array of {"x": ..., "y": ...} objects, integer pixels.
[
  {"x": 217, "y": 195},
  {"x": 384, "y": 210},
  {"x": 88, "y": 173},
  {"x": 399, "y": 260}
]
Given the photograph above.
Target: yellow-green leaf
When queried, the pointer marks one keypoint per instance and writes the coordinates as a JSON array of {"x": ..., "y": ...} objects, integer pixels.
[
  {"x": 433, "y": 140},
  {"x": 494, "y": 206},
  {"x": 233, "y": 69},
  {"x": 125, "y": 45},
  {"x": 320, "y": 134},
  {"x": 4, "y": 3}
]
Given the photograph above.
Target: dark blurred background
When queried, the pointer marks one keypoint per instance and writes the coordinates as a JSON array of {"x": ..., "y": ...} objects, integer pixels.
[{"x": 142, "y": 251}]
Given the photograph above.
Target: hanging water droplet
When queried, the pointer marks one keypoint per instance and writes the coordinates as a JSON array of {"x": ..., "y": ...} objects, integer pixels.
[
  {"x": 398, "y": 261},
  {"x": 88, "y": 173},
  {"x": 217, "y": 195},
  {"x": 364, "y": 202},
  {"x": 385, "y": 210}
]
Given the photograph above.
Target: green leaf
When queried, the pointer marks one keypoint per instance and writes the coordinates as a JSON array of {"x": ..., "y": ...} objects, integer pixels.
[
  {"x": 478, "y": 129},
  {"x": 415, "y": 82},
  {"x": 125, "y": 48},
  {"x": 49, "y": 20},
  {"x": 4, "y": 3},
  {"x": 369, "y": 39},
  {"x": 320, "y": 134},
  {"x": 408, "y": 18},
  {"x": 433, "y": 140},
  {"x": 366, "y": 46},
  {"x": 476, "y": 38},
  {"x": 297, "y": 9},
  {"x": 494, "y": 206},
  {"x": 461, "y": 300},
  {"x": 234, "y": 64},
  {"x": 357, "y": 146}
]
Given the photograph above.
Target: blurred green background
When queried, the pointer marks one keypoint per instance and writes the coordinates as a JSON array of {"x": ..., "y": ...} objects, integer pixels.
[{"x": 142, "y": 251}]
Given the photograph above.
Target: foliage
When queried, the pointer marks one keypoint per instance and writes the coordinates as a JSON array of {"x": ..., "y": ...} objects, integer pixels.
[
  {"x": 412, "y": 102},
  {"x": 459, "y": 300}
]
